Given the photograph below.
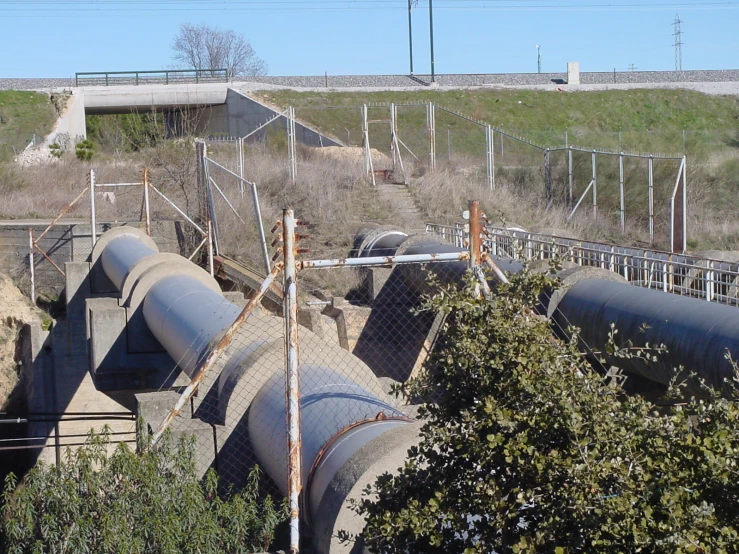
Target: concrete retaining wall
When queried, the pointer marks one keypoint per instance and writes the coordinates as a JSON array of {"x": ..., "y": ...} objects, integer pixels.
[{"x": 241, "y": 114}]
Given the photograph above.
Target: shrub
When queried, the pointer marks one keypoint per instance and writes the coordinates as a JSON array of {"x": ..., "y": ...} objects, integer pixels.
[
  {"x": 133, "y": 502},
  {"x": 525, "y": 449},
  {"x": 56, "y": 150},
  {"x": 84, "y": 150}
]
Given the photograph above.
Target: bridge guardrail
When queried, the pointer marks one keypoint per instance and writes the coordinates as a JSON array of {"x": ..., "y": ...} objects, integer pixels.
[
  {"x": 156, "y": 77},
  {"x": 685, "y": 275}
]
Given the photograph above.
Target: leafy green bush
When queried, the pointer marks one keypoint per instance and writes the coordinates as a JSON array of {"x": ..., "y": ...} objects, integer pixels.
[
  {"x": 84, "y": 150},
  {"x": 133, "y": 502},
  {"x": 525, "y": 449}
]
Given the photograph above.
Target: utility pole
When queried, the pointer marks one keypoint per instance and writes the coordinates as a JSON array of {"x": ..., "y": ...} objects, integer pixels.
[
  {"x": 431, "y": 34},
  {"x": 632, "y": 67},
  {"x": 678, "y": 34},
  {"x": 538, "y": 58},
  {"x": 411, "y": 3}
]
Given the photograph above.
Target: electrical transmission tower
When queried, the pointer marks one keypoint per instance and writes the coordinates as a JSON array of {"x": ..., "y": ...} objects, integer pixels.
[{"x": 678, "y": 34}]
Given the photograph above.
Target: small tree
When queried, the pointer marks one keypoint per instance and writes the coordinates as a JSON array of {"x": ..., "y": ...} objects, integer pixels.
[
  {"x": 84, "y": 150},
  {"x": 129, "y": 502},
  {"x": 206, "y": 47},
  {"x": 525, "y": 449}
]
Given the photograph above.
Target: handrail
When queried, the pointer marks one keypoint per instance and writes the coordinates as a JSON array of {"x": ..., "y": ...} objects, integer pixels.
[
  {"x": 709, "y": 279},
  {"x": 158, "y": 75}
]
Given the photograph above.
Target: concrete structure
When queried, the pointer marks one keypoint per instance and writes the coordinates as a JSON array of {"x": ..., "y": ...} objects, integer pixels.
[
  {"x": 149, "y": 317},
  {"x": 573, "y": 73},
  {"x": 239, "y": 115},
  {"x": 223, "y": 110}
]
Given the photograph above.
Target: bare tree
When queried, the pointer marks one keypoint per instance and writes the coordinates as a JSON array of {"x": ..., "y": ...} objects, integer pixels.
[{"x": 205, "y": 47}]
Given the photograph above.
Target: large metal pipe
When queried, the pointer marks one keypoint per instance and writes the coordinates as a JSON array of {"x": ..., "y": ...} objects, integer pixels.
[
  {"x": 343, "y": 407},
  {"x": 697, "y": 335},
  {"x": 121, "y": 254}
]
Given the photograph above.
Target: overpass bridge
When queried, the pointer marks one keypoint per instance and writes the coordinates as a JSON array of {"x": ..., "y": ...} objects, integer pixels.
[{"x": 222, "y": 110}]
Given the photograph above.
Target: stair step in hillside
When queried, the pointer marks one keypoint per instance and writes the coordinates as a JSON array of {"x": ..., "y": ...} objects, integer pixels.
[{"x": 411, "y": 219}]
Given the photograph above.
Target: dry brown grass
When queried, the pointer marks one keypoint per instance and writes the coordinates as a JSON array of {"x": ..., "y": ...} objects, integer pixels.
[{"x": 332, "y": 193}]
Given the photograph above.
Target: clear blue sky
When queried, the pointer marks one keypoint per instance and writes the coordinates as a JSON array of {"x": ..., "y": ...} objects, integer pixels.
[{"x": 56, "y": 38}]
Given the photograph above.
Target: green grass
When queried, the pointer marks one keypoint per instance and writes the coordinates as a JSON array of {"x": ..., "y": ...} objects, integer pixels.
[
  {"x": 648, "y": 119},
  {"x": 21, "y": 115}
]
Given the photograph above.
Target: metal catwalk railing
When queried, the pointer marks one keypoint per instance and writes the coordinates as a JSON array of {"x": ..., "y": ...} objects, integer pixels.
[{"x": 712, "y": 280}]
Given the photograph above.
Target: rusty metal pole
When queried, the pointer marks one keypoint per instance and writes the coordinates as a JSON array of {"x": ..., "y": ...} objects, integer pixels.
[
  {"x": 292, "y": 378},
  {"x": 475, "y": 233},
  {"x": 31, "y": 264},
  {"x": 476, "y": 248},
  {"x": 146, "y": 201}
]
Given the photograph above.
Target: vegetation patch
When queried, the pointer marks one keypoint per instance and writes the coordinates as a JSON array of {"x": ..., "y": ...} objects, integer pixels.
[
  {"x": 526, "y": 449},
  {"x": 23, "y": 114}
]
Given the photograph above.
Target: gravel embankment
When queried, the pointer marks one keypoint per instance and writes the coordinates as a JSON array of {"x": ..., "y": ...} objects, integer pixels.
[{"x": 450, "y": 80}]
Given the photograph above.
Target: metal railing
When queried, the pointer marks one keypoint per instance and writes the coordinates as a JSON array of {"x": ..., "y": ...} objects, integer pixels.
[
  {"x": 709, "y": 279},
  {"x": 157, "y": 77}
]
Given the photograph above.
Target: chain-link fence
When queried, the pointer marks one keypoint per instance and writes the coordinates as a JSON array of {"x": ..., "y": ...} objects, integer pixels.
[{"x": 287, "y": 391}]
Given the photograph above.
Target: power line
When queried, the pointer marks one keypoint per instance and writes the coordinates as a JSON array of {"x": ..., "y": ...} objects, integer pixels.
[
  {"x": 678, "y": 34},
  {"x": 333, "y": 5}
]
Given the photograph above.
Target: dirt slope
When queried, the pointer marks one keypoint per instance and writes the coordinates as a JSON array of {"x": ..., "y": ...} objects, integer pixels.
[{"x": 15, "y": 311}]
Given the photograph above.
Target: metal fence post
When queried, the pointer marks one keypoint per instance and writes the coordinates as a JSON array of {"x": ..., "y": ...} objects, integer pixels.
[
  {"x": 292, "y": 379},
  {"x": 211, "y": 266},
  {"x": 241, "y": 166},
  {"x": 393, "y": 142},
  {"x": 548, "y": 178},
  {"x": 291, "y": 143},
  {"x": 260, "y": 227},
  {"x": 651, "y": 199},
  {"x": 369, "y": 169},
  {"x": 621, "y": 190},
  {"x": 685, "y": 203},
  {"x": 31, "y": 264},
  {"x": 595, "y": 186},
  {"x": 93, "y": 223},
  {"x": 475, "y": 232},
  {"x": 569, "y": 175},
  {"x": 490, "y": 156},
  {"x": 501, "y": 146},
  {"x": 146, "y": 201},
  {"x": 201, "y": 151},
  {"x": 431, "y": 128}
]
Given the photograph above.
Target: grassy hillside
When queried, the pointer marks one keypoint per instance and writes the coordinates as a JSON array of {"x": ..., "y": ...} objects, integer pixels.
[
  {"x": 21, "y": 115},
  {"x": 647, "y": 119}
]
